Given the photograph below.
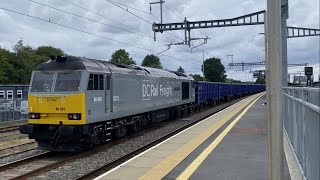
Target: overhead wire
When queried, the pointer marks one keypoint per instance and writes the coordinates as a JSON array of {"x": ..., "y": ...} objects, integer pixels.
[
  {"x": 170, "y": 33},
  {"x": 173, "y": 12},
  {"x": 86, "y": 32},
  {"x": 182, "y": 18},
  {"x": 142, "y": 34},
  {"x": 77, "y": 15},
  {"x": 129, "y": 11},
  {"x": 98, "y": 14},
  {"x": 119, "y": 6},
  {"x": 83, "y": 8},
  {"x": 179, "y": 17},
  {"x": 130, "y": 7}
]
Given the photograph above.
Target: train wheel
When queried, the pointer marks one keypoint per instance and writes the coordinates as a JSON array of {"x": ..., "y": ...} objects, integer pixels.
[
  {"x": 185, "y": 111},
  {"x": 121, "y": 131},
  {"x": 137, "y": 126},
  {"x": 178, "y": 112}
]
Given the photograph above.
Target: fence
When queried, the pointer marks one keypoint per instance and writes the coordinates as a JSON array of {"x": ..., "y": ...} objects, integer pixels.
[
  {"x": 302, "y": 123},
  {"x": 13, "y": 110}
]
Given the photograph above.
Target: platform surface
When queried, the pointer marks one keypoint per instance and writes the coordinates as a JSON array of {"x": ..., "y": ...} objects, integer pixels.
[{"x": 231, "y": 144}]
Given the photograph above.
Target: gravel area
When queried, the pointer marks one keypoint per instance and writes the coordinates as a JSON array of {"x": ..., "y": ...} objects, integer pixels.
[
  {"x": 31, "y": 166},
  {"x": 18, "y": 149},
  {"x": 12, "y": 123},
  {"x": 7, "y": 136},
  {"x": 19, "y": 156},
  {"x": 15, "y": 142},
  {"x": 82, "y": 166}
]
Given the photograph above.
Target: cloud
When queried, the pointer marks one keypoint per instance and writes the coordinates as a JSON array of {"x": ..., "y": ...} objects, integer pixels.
[{"x": 243, "y": 42}]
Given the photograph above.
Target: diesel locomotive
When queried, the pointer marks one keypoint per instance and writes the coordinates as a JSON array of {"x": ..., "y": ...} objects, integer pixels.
[{"x": 76, "y": 102}]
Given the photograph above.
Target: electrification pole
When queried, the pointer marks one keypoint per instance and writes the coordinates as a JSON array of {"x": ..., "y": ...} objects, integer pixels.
[
  {"x": 203, "y": 78},
  {"x": 274, "y": 89},
  {"x": 284, "y": 17},
  {"x": 159, "y": 2},
  {"x": 205, "y": 40}
]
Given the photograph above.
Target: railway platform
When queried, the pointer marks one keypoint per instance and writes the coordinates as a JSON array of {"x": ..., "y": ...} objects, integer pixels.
[{"x": 231, "y": 144}]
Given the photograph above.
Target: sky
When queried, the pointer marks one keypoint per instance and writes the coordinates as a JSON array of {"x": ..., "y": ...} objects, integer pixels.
[{"x": 127, "y": 24}]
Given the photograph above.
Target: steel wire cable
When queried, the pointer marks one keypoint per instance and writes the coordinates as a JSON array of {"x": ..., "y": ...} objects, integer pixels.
[
  {"x": 112, "y": 2},
  {"x": 141, "y": 34},
  {"x": 86, "y": 32}
]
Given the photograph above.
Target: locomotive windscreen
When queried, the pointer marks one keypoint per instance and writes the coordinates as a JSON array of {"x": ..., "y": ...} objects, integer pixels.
[
  {"x": 42, "y": 81},
  {"x": 67, "y": 81}
]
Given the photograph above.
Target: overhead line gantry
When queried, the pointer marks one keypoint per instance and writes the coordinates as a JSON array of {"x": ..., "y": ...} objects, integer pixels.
[{"x": 256, "y": 18}]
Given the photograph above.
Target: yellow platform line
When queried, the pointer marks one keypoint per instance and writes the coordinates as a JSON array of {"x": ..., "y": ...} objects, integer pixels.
[
  {"x": 165, "y": 166},
  {"x": 199, "y": 160}
]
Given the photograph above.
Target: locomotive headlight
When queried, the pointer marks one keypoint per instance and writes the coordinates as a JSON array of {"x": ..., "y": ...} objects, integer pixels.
[
  {"x": 34, "y": 115},
  {"x": 75, "y": 116}
]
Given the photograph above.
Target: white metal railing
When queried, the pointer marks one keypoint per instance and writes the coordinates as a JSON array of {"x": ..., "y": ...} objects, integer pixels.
[{"x": 302, "y": 124}]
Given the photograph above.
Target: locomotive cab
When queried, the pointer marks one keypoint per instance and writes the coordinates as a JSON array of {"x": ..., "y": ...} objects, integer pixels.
[
  {"x": 56, "y": 97},
  {"x": 57, "y": 102}
]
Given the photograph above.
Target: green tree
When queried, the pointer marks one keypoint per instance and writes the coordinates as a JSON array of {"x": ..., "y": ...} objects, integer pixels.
[
  {"x": 197, "y": 77},
  {"x": 16, "y": 66},
  {"x": 232, "y": 81},
  {"x": 5, "y": 68},
  {"x": 121, "y": 56},
  {"x": 260, "y": 81},
  {"x": 49, "y": 51},
  {"x": 20, "y": 47},
  {"x": 180, "y": 70},
  {"x": 152, "y": 61},
  {"x": 214, "y": 70}
]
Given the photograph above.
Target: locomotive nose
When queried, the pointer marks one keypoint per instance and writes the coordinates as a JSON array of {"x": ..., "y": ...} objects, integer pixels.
[{"x": 57, "y": 109}]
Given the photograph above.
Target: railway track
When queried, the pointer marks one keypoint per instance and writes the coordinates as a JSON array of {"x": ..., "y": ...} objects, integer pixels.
[
  {"x": 10, "y": 135},
  {"x": 49, "y": 160},
  {"x": 33, "y": 165},
  {"x": 9, "y": 129},
  {"x": 4, "y": 174},
  {"x": 14, "y": 152},
  {"x": 22, "y": 161}
]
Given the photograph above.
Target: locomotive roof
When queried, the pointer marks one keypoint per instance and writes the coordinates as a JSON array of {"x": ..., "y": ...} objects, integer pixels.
[{"x": 93, "y": 65}]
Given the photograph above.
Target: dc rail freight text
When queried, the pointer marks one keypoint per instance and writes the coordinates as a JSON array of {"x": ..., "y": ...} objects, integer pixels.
[{"x": 75, "y": 102}]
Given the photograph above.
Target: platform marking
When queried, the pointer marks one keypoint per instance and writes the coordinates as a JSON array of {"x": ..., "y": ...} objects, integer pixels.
[
  {"x": 150, "y": 149},
  {"x": 205, "y": 153},
  {"x": 164, "y": 167}
]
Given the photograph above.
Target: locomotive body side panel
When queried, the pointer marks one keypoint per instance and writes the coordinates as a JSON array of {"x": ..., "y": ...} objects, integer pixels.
[{"x": 135, "y": 94}]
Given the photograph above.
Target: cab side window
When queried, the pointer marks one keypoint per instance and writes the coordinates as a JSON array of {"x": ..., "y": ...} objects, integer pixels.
[
  {"x": 90, "y": 83},
  {"x": 96, "y": 82}
]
